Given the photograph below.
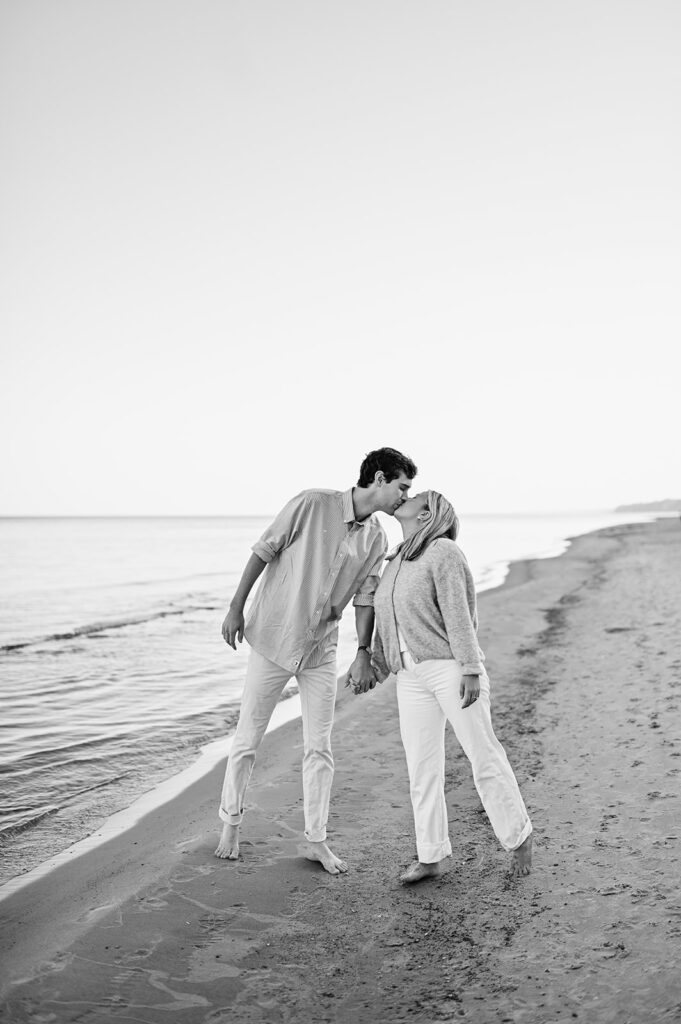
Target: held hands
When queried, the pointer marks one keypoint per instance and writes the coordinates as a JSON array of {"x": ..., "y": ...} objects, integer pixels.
[
  {"x": 469, "y": 690},
  {"x": 361, "y": 676},
  {"x": 233, "y": 627}
]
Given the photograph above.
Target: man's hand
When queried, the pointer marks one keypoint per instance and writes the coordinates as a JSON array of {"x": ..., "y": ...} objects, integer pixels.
[
  {"x": 233, "y": 627},
  {"x": 361, "y": 675},
  {"x": 469, "y": 690}
]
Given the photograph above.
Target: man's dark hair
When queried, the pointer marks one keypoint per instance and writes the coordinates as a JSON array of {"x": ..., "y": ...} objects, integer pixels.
[{"x": 390, "y": 462}]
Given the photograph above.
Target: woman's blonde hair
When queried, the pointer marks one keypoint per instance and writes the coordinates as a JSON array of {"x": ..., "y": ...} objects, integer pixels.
[{"x": 443, "y": 522}]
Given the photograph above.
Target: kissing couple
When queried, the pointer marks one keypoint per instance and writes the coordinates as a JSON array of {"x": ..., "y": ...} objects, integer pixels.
[{"x": 416, "y": 618}]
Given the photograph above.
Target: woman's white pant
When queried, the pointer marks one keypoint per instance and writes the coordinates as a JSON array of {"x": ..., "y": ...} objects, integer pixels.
[
  {"x": 262, "y": 689},
  {"x": 428, "y": 697}
]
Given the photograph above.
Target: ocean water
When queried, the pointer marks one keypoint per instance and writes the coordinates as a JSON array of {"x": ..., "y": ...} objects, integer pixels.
[{"x": 113, "y": 671}]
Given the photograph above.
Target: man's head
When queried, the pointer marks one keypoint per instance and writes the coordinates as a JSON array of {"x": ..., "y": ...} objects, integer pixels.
[{"x": 387, "y": 474}]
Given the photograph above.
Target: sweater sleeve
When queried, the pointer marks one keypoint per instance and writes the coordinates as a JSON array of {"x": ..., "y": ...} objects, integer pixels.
[
  {"x": 378, "y": 662},
  {"x": 455, "y": 591}
]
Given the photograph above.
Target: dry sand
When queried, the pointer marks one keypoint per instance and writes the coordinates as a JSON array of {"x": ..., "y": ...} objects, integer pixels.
[{"x": 584, "y": 657}]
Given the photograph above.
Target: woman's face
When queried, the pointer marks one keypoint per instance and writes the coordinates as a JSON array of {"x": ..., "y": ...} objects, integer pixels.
[{"x": 413, "y": 507}]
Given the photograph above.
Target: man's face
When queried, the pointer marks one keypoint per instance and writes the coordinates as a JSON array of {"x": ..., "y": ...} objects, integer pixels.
[{"x": 391, "y": 494}]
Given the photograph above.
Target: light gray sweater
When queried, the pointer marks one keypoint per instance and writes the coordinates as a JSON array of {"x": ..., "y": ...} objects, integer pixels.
[{"x": 433, "y": 600}]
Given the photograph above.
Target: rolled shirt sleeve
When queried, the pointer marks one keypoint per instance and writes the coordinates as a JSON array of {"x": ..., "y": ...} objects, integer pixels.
[
  {"x": 364, "y": 596},
  {"x": 284, "y": 529}
]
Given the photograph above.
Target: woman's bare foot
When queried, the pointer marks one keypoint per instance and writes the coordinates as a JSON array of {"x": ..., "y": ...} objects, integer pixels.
[
  {"x": 418, "y": 871},
  {"x": 522, "y": 858},
  {"x": 228, "y": 847},
  {"x": 328, "y": 860}
]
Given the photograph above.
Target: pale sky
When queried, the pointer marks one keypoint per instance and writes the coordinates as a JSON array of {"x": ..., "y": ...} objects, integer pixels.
[{"x": 243, "y": 243}]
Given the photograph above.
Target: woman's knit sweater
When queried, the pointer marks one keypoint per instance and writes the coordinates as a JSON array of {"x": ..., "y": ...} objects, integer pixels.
[{"x": 433, "y": 600}]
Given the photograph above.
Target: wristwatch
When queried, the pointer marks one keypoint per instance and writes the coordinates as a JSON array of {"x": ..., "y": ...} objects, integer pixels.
[{"x": 363, "y": 647}]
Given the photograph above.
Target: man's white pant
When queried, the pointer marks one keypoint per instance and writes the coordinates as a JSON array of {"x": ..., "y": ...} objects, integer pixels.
[
  {"x": 428, "y": 697},
  {"x": 262, "y": 689}
]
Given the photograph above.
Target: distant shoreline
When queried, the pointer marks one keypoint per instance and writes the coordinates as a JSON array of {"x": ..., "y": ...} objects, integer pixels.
[{"x": 668, "y": 505}]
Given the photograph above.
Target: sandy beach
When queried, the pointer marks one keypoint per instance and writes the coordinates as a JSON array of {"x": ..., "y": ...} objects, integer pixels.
[{"x": 584, "y": 660}]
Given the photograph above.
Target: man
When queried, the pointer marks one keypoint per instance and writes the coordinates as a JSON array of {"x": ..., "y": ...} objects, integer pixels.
[{"x": 324, "y": 548}]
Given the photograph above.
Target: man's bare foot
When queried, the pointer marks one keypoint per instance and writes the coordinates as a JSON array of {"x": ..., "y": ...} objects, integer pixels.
[
  {"x": 328, "y": 860},
  {"x": 418, "y": 871},
  {"x": 522, "y": 858},
  {"x": 228, "y": 847}
]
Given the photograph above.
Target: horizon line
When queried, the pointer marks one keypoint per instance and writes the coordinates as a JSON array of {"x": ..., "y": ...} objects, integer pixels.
[{"x": 263, "y": 515}]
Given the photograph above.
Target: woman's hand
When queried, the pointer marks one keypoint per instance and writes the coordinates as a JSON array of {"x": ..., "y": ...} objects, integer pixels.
[{"x": 469, "y": 690}]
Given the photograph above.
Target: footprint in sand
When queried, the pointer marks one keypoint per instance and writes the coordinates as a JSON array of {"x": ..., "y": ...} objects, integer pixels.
[
  {"x": 96, "y": 912},
  {"x": 149, "y": 903},
  {"x": 139, "y": 954}
]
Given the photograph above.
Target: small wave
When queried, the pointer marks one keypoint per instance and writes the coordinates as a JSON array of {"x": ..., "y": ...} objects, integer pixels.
[
  {"x": 173, "y": 579},
  {"x": 95, "y": 628},
  {"x": 66, "y": 753},
  {"x": 100, "y": 785},
  {"x": 23, "y": 819},
  {"x": 153, "y": 582},
  {"x": 94, "y": 751}
]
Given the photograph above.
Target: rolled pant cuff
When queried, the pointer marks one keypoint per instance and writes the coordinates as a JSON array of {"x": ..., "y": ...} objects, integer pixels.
[
  {"x": 230, "y": 819},
  {"x": 316, "y": 836},
  {"x": 431, "y": 853},
  {"x": 527, "y": 831}
]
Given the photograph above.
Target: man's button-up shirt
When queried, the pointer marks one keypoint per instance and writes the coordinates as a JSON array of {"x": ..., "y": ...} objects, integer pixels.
[{"x": 319, "y": 557}]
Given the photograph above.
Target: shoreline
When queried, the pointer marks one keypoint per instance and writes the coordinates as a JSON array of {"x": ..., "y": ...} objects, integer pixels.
[
  {"x": 22, "y": 851},
  {"x": 510, "y": 573},
  {"x": 153, "y": 902},
  {"x": 507, "y": 573}
]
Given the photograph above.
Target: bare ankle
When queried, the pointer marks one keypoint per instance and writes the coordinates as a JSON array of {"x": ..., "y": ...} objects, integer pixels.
[{"x": 228, "y": 846}]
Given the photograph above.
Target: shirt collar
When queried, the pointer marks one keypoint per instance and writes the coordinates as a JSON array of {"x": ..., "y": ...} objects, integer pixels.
[{"x": 349, "y": 509}]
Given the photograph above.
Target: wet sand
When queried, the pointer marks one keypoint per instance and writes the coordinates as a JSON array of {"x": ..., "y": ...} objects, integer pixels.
[{"x": 584, "y": 659}]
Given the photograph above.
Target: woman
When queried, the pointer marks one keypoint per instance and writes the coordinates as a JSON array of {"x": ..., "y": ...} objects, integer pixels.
[{"x": 426, "y": 633}]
